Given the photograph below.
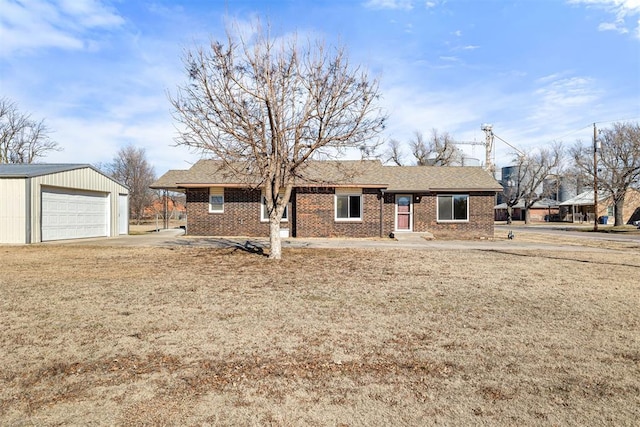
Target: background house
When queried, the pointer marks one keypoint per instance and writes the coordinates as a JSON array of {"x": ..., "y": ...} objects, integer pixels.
[
  {"x": 581, "y": 207},
  {"x": 342, "y": 198},
  {"x": 542, "y": 210},
  {"x": 554, "y": 189},
  {"x": 41, "y": 202}
]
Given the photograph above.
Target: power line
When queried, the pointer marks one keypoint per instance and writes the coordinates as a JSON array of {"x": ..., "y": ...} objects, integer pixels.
[
  {"x": 617, "y": 120},
  {"x": 575, "y": 131},
  {"x": 597, "y": 123}
]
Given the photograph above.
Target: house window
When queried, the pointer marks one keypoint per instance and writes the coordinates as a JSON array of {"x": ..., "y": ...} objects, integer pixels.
[
  {"x": 348, "y": 205},
  {"x": 216, "y": 200},
  {"x": 453, "y": 208},
  {"x": 264, "y": 213}
]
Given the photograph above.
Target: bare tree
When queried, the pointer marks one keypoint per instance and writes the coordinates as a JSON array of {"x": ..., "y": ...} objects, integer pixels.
[
  {"x": 618, "y": 162},
  {"x": 394, "y": 153},
  {"x": 440, "y": 150},
  {"x": 267, "y": 106},
  {"x": 22, "y": 139},
  {"x": 532, "y": 170},
  {"x": 131, "y": 168}
]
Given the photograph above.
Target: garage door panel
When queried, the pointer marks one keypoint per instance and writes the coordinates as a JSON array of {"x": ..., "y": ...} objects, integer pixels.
[{"x": 68, "y": 214}]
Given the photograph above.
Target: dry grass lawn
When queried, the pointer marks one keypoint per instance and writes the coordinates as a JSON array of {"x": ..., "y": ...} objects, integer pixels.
[{"x": 191, "y": 336}]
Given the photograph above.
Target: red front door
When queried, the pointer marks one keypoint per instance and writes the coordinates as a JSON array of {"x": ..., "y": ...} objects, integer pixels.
[{"x": 403, "y": 212}]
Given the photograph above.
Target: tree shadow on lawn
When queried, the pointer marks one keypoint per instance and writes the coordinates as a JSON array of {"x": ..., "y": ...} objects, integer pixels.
[{"x": 252, "y": 246}]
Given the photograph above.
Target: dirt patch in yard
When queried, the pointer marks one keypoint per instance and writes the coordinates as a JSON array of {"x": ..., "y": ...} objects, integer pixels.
[{"x": 196, "y": 336}]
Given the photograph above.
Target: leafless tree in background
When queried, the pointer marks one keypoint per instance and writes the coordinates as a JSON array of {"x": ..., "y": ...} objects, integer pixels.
[
  {"x": 131, "y": 168},
  {"x": 394, "y": 153},
  {"x": 22, "y": 139},
  {"x": 266, "y": 106},
  {"x": 618, "y": 162},
  {"x": 532, "y": 169},
  {"x": 440, "y": 150}
]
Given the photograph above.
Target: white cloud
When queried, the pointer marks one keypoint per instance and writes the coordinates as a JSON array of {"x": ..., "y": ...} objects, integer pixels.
[
  {"x": 390, "y": 4},
  {"x": 90, "y": 13},
  {"x": 526, "y": 113},
  {"x": 64, "y": 24},
  {"x": 612, "y": 26},
  {"x": 565, "y": 93},
  {"x": 96, "y": 140},
  {"x": 624, "y": 11}
]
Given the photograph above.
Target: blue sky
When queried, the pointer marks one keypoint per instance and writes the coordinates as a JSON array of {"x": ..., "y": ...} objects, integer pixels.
[{"x": 99, "y": 72}]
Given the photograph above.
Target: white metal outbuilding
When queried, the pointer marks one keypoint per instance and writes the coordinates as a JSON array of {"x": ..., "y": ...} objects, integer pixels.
[{"x": 42, "y": 202}]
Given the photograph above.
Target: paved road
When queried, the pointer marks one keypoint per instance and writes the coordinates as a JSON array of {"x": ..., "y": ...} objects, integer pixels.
[{"x": 176, "y": 238}]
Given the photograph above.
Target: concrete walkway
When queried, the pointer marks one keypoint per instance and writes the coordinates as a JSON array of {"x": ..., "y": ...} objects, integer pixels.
[{"x": 418, "y": 241}]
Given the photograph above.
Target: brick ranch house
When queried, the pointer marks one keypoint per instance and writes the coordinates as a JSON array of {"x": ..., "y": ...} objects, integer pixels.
[{"x": 342, "y": 199}]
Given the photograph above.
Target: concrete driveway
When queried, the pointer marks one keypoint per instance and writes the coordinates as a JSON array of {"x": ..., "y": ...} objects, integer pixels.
[{"x": 159, "y": 238}]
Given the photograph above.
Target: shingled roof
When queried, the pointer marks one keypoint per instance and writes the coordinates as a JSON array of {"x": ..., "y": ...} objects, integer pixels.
[
  {"x": 438, "y": 178},
  {"x": 210, "y": 173},
  {"x": 350, "y": 173}
]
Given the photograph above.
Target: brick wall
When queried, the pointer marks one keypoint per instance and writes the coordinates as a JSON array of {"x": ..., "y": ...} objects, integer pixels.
[
  {"x": 389, "y": 214},
  {"x": 631, "y": 209},
  {"x": 241, "y": 216},
  {"x": 312, "y": 214},
  {"x": 480, "y": 224},
  {"x": 315, "y": 214}
]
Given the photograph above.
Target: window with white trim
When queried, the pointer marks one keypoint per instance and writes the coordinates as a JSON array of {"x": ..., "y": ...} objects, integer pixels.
[
  {"x": 216, "y": 200},
  {"x": 453, "y": 207},
  {"x": 348, "y": 205},
  {"x": 264, "y": 214}
]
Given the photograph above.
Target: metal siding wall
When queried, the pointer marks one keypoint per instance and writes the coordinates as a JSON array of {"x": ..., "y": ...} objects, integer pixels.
[
  {"x": 80, "y": 179},
  {"x": 13, "y": 210}
]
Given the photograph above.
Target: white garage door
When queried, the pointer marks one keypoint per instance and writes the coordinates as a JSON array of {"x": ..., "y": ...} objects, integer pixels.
[{"x": 71, "y": 214}]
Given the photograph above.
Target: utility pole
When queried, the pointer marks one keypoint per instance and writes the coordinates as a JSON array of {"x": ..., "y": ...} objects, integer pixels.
[{"x": 595, "y": 177}]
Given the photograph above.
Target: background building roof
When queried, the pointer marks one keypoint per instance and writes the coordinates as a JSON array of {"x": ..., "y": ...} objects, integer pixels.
[
  {"x": 540, "y": 204},
  {"x": 585, "y": 199}
]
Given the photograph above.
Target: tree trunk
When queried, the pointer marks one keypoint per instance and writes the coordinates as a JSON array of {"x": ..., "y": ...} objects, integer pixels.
[
  {"x": 509, "y": 214},
  {"x": 618, "y": 208},
  {"x": 274, "y": 238},
  {"x": 527, "y": 216}
]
